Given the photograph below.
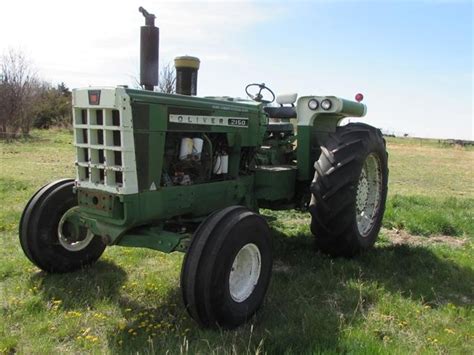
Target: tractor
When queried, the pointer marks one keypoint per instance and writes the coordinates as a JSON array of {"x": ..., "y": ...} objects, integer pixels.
[{"x": 178, "y": 172}]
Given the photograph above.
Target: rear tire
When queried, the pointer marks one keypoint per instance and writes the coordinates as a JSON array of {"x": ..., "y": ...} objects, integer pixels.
[
  {"x": 227, "y": 268},
  {"x": 39, "y": 237},
  {"x": 349, "y": 190}
]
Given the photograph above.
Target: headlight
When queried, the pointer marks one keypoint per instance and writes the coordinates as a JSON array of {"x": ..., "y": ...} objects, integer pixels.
[
  {"x": 313, "y": 104},
  {"x": 326, "y": 104}
]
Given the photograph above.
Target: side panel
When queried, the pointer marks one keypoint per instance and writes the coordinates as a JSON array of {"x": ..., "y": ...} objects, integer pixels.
[
  {"x": 154, "y": 207},
  {"x": 196, "y": 200}
]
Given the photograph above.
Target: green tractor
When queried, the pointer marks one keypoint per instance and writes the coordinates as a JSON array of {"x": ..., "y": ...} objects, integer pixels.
[{"x": 176, "y": 172}]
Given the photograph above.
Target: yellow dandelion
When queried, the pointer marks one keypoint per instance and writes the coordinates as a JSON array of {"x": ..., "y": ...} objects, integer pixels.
[
  {"x": 73, "y": 314},
  {"x": 99, "y": 316}
]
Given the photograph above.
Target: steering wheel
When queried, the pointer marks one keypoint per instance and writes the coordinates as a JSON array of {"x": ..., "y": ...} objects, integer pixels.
[{"x": 258, "y": 96}]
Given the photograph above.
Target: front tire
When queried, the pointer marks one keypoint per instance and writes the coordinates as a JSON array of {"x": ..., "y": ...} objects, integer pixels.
[
  {"x": 227, "y": 268},
  {"x": 349, "y": 190},
  {"x": 40, "y": 236}
]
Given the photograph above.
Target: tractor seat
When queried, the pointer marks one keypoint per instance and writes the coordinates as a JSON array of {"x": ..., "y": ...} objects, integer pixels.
[
  {"x": 284, "y": 112},
  {"x": 280, "y": 127}
]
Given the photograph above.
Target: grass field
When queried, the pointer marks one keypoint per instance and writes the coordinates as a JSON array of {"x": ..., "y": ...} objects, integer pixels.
[{"x": 414, "y": 292}]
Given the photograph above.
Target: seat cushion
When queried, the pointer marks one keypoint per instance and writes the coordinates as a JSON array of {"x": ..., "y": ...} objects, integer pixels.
[{"x": 280, "y": 112}]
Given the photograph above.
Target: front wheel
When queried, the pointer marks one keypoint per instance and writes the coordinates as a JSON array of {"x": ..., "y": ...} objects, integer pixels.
[
  {"x": 48, "y": 239},
  {"x": 227, "y": 268},
  {"x": 349, "y": 190}
]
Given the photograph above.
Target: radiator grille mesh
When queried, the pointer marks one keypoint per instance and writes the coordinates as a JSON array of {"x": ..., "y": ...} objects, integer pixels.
[{"x": 105, "y": 156}]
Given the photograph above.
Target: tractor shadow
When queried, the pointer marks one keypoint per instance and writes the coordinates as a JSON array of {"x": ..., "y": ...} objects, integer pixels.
[
  {"x": 83, "y": 288},
  {"x": 413, "y": 271},
  {"x": 314, "y": 295}
]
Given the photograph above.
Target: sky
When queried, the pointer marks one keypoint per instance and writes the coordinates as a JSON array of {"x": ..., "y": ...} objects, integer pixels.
[{"x": 412, "y": 59}]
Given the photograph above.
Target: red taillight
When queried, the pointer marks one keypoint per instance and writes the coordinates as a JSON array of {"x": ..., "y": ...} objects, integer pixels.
[{"x": 359, "y": 97}]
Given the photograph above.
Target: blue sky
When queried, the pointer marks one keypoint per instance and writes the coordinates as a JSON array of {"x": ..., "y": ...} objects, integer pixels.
[{"x": 413, "y": 60}]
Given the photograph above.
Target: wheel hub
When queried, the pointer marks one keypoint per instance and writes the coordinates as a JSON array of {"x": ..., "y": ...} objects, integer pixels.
[
  {"x": 369, "y": 194},
  {"x": 71, "y": 234},
  {"x": 362, "y": 191},
  {"x": 245, "y": 272}
]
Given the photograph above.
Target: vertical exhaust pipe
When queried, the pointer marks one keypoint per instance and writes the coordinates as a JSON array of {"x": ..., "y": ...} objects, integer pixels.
[{"x": 149, "y": 45}]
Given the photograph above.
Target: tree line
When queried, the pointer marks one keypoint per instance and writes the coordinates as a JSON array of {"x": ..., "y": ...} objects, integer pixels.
[{"x": 27, "y": 102}]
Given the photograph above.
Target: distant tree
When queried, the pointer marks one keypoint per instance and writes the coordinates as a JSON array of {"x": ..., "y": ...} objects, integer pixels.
[
  {"x": 53, "y": 107},
  {"x": 167, "y": 81},
  {"x": 63, "y": 89},
  {"x": 26, "y": 101},
  {"x": 19, "y": 91}
]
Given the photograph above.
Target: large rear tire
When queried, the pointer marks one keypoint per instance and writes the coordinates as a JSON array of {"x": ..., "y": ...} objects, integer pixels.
[
  {"x": 349, "y": 190},
  {"x": 40, "y": 236},
  {"x": 227, "y": 268}
]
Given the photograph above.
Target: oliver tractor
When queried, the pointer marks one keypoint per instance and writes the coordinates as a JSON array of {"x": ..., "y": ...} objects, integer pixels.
[{"x": 176, "y": 172}]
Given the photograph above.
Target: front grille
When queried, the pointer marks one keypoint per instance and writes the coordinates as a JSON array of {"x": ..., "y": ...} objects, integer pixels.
[{"x": 105, "y": 156}]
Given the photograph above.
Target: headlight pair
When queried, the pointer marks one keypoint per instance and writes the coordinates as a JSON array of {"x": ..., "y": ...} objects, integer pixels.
[{"x": 313, "y": 104}]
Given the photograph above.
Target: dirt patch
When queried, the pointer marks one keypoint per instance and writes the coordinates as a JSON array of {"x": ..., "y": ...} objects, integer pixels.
[{"x": 402, "y": 237}]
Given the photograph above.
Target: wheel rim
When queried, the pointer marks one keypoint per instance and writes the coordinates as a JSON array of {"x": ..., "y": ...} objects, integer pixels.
[
  {"x": 369, "y": 194},
  {"x": 245, "y": 272},
  {"x": 71, "y": 236}
]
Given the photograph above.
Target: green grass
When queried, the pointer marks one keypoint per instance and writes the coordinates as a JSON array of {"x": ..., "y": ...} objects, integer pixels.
[
  {"x": 396, "y": 298},
  {"x": 426, "y": 216},
  {"x": 430, "y": 169}
]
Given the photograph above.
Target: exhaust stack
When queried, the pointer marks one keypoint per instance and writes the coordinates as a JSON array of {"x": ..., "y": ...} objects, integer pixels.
[{"x": 149, "y": 45}]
